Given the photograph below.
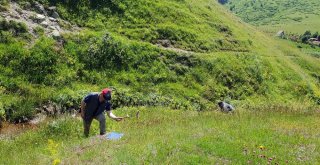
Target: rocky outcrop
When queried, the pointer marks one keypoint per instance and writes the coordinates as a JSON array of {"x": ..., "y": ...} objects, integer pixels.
[
  {"x": 39, "y": 8},
  {"x": 34, "y": 15}
]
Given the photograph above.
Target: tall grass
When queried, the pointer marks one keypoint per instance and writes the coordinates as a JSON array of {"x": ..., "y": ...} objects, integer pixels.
[{"x": 277, "y": 135}]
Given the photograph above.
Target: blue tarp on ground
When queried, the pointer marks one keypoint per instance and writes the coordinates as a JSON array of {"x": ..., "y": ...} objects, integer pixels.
[{"x": 114, "y": 136}]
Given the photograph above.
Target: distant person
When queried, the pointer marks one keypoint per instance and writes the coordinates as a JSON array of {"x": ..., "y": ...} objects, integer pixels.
[
  {"x": 93, "y": 107},
  {"x": 225, "y": 107}
]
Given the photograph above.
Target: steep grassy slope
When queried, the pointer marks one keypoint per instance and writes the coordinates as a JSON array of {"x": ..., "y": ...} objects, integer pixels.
[
  {"x": 294, "y": 16},
  {"x": 182, "y": 54}
]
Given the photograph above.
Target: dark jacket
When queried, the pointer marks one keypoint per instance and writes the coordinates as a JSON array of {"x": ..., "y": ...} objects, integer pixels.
[{"x": 94, "y": 107}]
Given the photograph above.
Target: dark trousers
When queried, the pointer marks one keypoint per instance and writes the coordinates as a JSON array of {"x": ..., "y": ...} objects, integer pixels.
[{"x": 102, "y": 121}]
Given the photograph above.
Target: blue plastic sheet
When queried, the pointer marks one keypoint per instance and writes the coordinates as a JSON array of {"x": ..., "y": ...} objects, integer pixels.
[{"x": 114, "y": 136}]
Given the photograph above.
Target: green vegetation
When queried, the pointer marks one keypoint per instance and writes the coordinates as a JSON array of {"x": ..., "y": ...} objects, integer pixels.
[
  {"x": 252, "y": 134},
  {"x": 160, "y": 56},
  {"x": 274, "y": 15},
  {"x": 210, "y": 56}
]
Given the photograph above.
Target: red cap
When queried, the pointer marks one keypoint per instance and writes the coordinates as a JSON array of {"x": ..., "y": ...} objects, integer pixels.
[{"x": 105, "y": 91}]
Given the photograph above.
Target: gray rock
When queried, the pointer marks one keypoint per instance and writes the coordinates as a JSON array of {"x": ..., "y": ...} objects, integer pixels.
[
  {"x": 52, "y": 8},
  {"x": 19, "y": 11},
  {"x": 14, "y": 16},
  {"x": 39, "y": 8},
  {"x": 49, "y": 109},
  {"x": 39, "y": 18},
  {"x": 280, "y": 34},
  {"x": 56, "y": 35},
  {"x": 52, "y": 27},
  {"x": 52, "y": 19},
  {"x": 44, "y": 24},
  {"x": 55, "y": 15},
  {"x": 25, "y": 16}
]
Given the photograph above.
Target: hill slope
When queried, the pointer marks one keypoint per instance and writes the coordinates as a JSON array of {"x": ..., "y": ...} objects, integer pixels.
[
  {"x": 176, "y": 54},
  {"x": 295, "y": 16},
  {"x": 181, "y": 54}
]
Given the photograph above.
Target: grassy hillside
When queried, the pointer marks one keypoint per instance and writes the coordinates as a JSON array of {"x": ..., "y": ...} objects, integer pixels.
[
  {"x": 159, "y": 56},
  {"x": 180, "y": 54},
  {"x": 274, "y": 15}
]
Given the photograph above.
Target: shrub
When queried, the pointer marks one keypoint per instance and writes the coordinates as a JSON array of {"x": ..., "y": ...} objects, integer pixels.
[
  {"x": 21, "y": 111},
  {"x": 5, "y": 37},
  {"x": 40, "y": 65},
  {"x": 113, "y": 53},
  {"x": 16, "y": 28}
]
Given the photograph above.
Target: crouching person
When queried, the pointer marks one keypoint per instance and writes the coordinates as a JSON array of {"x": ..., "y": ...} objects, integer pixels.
[
  {"x": 93, "y": 107},
  {"x": 225, "y": 107}
]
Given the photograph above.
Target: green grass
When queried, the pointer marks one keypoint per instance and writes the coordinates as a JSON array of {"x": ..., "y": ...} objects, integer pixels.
[
  {"x": 213, "y": 56},
  {"x": 272, "y": 16},
  {"x": 162, "y": 136}
]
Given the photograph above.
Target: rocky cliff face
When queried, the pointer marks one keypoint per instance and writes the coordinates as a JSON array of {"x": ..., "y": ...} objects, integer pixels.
[{"x": 36, "y": 17}]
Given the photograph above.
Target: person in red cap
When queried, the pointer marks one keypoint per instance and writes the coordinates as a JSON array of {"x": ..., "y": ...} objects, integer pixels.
[{"x": 93, "y": 107}]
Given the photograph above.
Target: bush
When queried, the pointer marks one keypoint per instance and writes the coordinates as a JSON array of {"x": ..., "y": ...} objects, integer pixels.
[
  {"x": 5, "y": 37},
  {"x": 113, "y": 53},
  {"x": 21, "y": 111},
  {"x": 40, "y": 65},
  {"x": 16, "y": 28}
]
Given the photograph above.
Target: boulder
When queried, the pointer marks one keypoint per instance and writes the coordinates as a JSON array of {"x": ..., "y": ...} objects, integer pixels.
[
  {"x": 52, "y": 8},
  {"x": 55, "y": 15},
  {"x": 52, "y": 19},
  {"x": 49, "y": 109},
  {"x": 44, "y": 24},
  {"x": 39, "y": 18},
  {"x": 56, "y": 35},
  {"x": 14, "y": 16},
  {"x": 39, "y": 8},
  {"x": 52, "y": 27}
]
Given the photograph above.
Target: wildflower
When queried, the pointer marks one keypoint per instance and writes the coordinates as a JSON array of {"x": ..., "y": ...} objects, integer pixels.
[
  {"x": 261, "y": 147},
  {"x": 56, "y": 162}
]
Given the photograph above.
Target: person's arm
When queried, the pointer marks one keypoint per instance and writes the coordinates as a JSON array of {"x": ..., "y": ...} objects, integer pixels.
[{"x": 114, "y": 117}]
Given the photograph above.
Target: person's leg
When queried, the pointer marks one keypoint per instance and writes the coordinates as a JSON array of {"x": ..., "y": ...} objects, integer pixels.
[
  {"x": 102, "y": 121},
  {"x": 86, "y": 127}
]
